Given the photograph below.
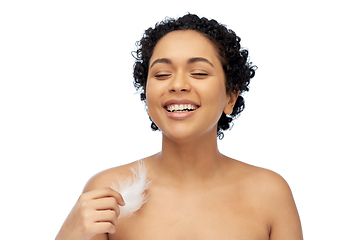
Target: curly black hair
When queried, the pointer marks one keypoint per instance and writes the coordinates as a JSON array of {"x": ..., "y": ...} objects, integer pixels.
[{"x": 238, "y": 70}]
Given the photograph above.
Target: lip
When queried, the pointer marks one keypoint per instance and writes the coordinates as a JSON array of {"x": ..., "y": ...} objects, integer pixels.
[
  {"x": 180, "y": 101},
  {"x": 180, "y": 115}
]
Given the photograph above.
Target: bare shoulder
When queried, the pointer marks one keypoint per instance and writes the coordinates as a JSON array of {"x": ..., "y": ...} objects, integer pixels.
[
  {"x": 110, "y": 176},
  {"x": 270, "y": 192},
  {"x": 272, "y": 188},
  {"x": 260, "y": 179}
]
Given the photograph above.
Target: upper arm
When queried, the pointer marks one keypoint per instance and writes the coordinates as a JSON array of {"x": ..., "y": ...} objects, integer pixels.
[
  {"x": 103, "y": 179},
  {"x": 108, "y": 178},
  {"x": 97, "y": 181},
  {"x": 284, "y": 218}
]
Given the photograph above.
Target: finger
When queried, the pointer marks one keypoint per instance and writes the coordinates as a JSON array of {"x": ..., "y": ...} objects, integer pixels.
[
  {"x": 104, "y": 227},
  {"x": 107, "y": 216},
  {"x": 107, "y": 192},
  {"x": 107, "y": 203}
]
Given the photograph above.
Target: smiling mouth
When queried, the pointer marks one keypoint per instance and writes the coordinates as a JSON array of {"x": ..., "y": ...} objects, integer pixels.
[{"x": 181, "y": 108}]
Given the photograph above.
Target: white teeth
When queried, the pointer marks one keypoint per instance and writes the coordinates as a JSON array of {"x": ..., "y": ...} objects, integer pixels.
[{"x": 180, "y": 107}]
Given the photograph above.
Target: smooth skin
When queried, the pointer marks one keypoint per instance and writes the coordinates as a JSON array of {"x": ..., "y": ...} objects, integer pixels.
[
  {"x": 95, "y": 212},
  {"x": 196, "y": 192}
]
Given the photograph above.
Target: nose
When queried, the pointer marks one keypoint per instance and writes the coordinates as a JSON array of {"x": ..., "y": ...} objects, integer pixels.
[{"x": 179, "y": 84}]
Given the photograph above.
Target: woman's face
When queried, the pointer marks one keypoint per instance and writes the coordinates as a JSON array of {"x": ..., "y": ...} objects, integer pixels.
[{"x": 185, "y": 89}]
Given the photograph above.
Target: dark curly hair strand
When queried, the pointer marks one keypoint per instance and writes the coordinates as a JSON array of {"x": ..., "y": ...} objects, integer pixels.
[{"x": 238, "y": 70}]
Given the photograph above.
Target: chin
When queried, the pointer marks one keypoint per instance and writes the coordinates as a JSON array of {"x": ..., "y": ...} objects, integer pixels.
[
  {"x": 179, "y": 137},
  {"x": 188, "y": 135}
]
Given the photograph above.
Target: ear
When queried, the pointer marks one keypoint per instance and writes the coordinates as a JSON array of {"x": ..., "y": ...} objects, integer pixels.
[{"x": 232, "y": 97}]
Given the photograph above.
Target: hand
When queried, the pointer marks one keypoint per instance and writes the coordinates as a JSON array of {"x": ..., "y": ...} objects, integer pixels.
[{"x": 95, "y": 212}]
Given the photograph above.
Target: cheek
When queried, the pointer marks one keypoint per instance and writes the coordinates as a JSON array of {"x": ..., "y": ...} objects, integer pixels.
[
  {"x": 214, "y": 94},
  {"x": 150, "y": 95},
  {"x": 154, "y": 91}
]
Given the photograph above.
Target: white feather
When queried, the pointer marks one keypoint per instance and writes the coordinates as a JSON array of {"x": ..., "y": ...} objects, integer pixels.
[{"x": 133, "y": 190}]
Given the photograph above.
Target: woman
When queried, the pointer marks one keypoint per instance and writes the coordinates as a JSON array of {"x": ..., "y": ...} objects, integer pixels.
[{"x": 192, "y": 73}]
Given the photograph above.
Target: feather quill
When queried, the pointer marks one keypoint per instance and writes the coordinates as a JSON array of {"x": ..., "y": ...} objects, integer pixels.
[{"x": 133, "y": 190}]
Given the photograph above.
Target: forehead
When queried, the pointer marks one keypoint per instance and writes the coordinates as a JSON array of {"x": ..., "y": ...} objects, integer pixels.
[{"x": 185, "y": 44}]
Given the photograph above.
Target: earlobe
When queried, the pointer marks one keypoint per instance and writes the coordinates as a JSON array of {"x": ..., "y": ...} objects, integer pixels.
[{"x": 231, "y": 102}]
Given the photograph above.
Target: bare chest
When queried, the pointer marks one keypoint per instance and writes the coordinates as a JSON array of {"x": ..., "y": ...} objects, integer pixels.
[{"x": 206, "y": 215}]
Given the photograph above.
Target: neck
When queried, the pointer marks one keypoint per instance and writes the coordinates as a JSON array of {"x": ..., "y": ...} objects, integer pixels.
[{"x": 189, "y": 162}]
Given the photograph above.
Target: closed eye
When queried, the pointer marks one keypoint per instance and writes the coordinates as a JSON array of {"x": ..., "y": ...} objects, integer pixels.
[
  {"x": 162, "y": 75},
  {"x": 199, "y": 75}
]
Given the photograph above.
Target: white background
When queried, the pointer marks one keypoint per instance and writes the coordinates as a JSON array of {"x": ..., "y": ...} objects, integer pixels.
[{"x": 68, "y": 108}]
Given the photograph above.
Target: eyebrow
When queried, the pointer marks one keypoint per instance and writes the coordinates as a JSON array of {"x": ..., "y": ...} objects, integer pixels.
[
  {"x": 161, "y": 60},
  {"x": 190, "y": 61},
  {"x": 199, "y": 59}
]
